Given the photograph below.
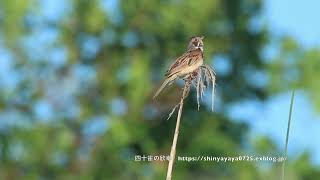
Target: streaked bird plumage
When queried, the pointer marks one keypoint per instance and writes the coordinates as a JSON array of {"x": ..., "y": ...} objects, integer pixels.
[{"x": 185, "y": 64}]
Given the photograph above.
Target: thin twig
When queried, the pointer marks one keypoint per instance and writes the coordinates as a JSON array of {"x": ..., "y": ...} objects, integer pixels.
[
  {"x": 176, "y": 132},
  {"x": 172, "y": 111},
  {"x": 287, "y": 136}
]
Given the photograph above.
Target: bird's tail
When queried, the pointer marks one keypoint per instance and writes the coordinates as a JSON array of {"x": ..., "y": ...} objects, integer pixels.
[{"x": 167, "y": 81}]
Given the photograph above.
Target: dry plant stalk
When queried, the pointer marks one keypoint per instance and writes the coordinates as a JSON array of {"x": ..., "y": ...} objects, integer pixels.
[
  {"x": 176, "y": 132},
  {"x": 287, "y": 137},
  {"x": 197, "y": 78}
]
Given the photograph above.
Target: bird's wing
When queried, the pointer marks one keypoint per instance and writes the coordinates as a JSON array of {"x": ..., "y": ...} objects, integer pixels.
[{"x": 187, "y": 59}]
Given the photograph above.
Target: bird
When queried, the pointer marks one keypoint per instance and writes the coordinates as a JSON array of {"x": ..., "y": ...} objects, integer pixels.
[{"x": 186, "y": 64}]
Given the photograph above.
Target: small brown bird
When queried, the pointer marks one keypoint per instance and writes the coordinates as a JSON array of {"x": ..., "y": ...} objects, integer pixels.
[{"x": 185, "y": 64}]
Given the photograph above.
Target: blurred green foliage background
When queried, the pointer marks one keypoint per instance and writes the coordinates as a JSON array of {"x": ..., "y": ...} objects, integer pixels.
[{"x": 78, "y": 77}]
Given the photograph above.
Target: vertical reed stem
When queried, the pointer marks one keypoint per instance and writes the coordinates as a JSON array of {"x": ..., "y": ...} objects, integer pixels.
[
  {"x": 287, "y": 137},
  {"x": 176, "y": 133}
]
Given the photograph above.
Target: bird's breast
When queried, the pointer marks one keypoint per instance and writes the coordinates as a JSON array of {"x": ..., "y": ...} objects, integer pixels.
[{"x": 191, "y": 68}]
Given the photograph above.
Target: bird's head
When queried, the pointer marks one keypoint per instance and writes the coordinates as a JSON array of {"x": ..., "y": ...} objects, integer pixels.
[{"x": 196, "y": 43}]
